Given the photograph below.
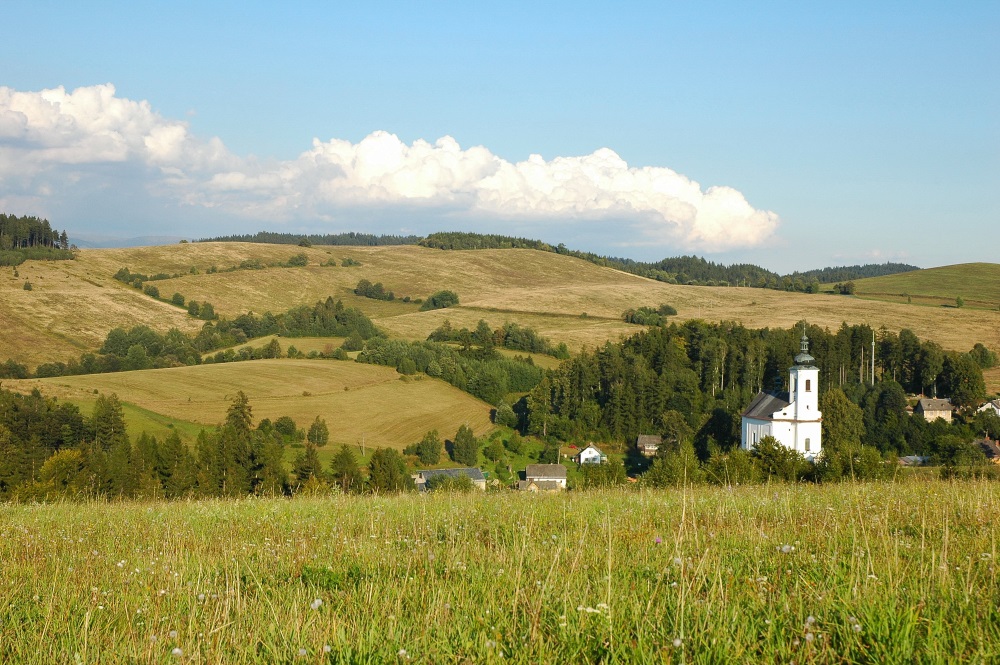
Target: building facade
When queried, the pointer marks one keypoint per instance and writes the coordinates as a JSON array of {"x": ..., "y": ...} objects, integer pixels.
[{"x": 793, "y": 417}]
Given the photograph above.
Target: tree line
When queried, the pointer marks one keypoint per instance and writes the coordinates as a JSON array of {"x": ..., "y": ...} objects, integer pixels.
[
  {"x": 351, "y": 239},
  {"x": 692, "y": 270},
  {"x": 509, "y": 336},
  {"x": 703, "y": 375}
]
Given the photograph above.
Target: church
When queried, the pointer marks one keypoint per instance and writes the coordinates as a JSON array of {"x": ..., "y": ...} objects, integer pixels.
[{"x": 793, "y": 417}]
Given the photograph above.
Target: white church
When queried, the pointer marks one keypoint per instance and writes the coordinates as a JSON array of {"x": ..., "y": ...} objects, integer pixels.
[{"x": 793, "y": 418}]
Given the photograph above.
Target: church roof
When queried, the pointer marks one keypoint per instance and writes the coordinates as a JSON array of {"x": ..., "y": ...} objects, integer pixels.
[{"x": 764, "y": 405}]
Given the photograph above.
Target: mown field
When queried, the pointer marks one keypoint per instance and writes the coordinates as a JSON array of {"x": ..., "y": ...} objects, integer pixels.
[
  {"x": 74, "y": 303},
  {"x": 850, "y": 573},
  {"x": 360, "y": 403}
]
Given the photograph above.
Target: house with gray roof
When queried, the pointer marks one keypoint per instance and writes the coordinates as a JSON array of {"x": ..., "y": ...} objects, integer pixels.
[
  {"x": 932, "y": 409},
  {"x": 648, "y": 444},
  {"x": 993, "y": 406},
  {"x": 543, "y": 478}
]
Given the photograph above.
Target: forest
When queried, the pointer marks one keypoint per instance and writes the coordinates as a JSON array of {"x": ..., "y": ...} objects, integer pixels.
[
  {"x": 350, "y": 239},
  {"x": 23, "y": 238}
]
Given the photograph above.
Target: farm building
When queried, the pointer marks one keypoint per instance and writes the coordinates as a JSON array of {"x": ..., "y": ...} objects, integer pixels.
[
  {"x": 932, "y": 409},
  {"x": 420, "y": 478},
  {"x": 793, "y": 418},
  {"x": 591, "y": 455},
  {"x": 648, "y": 444},
  {"x": 543, "y": 478},
  {"x": 990, "y": 448}
]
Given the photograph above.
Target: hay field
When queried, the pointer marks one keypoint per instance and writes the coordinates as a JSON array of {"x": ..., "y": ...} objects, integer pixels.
[
  {"x": 75, "y": 303},
  {"x": 847, "y": 573},
  {"x": 357, "y": 401}
]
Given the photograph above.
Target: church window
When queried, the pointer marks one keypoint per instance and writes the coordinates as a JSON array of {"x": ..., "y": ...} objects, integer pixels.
[
  {"x": 807, "y": 444},
  {"x": 808, "y": 385}
]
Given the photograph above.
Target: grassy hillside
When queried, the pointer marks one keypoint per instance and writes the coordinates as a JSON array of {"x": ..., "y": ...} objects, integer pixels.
[
  {"x": 843, "y": 573},
  {"x": 74, "y": 303},
  {"x": 357, "y": 401},
  {"x": 976, "y": 283}
]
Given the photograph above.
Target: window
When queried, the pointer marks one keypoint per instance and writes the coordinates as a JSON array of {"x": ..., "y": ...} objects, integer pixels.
[
  {"x": 808, "y": 385},
  {"x": 807, "y": 444}
]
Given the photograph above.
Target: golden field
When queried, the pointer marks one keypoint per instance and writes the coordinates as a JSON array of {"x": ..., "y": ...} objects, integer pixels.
[{"x": 359, "y": 402}]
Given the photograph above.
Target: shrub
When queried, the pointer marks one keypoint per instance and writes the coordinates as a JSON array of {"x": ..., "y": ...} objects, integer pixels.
[
  {"x": 27, "y": 286},
  {"x": 440, "y": 300}
]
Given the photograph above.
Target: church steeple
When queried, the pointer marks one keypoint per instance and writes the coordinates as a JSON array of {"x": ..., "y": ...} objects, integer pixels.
[{"x": 803, "y": 359}]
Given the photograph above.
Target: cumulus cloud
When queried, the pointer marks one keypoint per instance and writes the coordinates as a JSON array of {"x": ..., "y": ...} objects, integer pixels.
[{"x": 51, "y": 137}]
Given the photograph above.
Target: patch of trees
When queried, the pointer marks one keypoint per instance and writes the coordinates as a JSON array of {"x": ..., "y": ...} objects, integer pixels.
[
  {"x": 350, "y": 239},
  {"x": 143, "y": 348},
  {"x": 29, "y": 237},
  {"x": 486, "y": 375},
  {"x": 509, "y": 336},
  {"x": 440, "y": 300},
  {"x": 703, "y": 376},
  {"x": 375, "y": 291},
  {"x": 649, "y": 316}
]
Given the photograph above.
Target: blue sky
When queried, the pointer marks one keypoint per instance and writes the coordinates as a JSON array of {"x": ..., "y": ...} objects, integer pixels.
[{"x": 833, "y": 134}]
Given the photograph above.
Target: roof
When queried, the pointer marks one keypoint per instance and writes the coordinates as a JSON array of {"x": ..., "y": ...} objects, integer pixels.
[
  {"x": 648, "y": 440},
  {"x": 990, "y": 448},
  {"x": 928, "y": 404},
  {"x": 992, "y": 404},
  {"x": 765, "y": 405},
  {"x": 545, "y": 471},
  {"x": 592, "y": 447},
  {"x": 471, "y": 472}
]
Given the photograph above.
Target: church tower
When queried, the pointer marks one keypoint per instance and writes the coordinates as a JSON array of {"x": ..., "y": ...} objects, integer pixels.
[{"x": 803, "y": 388}]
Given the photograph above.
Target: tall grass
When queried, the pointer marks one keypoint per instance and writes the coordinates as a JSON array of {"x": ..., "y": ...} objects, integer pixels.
[{"x": 845, "y": 573}]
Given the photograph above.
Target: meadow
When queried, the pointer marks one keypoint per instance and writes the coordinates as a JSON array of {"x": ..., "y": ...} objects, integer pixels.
[
  {"x": 848, "y": 573},
  {"x": 978, "y": 284},
  {"x": 361, "y": 403}
]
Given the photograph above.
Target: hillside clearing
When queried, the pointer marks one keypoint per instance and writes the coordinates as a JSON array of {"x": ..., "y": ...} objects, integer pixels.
[
  {"x": 359, "y": 402},
  {"x": 978, "y": 284}
]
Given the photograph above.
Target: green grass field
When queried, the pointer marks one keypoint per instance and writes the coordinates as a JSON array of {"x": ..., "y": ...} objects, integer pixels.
[
  {"x": 361, "y": 403},
  {"x": 775, "y": 574},
  {"x": 978, "y": 284}
]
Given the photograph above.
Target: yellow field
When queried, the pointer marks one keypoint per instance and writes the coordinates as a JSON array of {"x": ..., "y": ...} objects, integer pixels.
[
  {"x": 75, "y": 303},
  {"x": 358, "y": 402}
]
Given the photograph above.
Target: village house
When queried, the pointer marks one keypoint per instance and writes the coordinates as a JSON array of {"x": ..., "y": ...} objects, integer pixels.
[
  {"x": 993, "y": 406},
  {"x": 793, "y": 418},
  {"x": 932, "y": 409},
  {"x": 420, "y": 478},
  {"x": 648, "y": 444},
  {"x": 543, "y": 478},
  {"x": 590, "y": 455},
  {"x": 990, "y": 448}
]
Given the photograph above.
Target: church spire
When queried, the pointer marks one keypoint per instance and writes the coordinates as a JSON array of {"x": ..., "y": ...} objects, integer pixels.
[{"x": 804, "y": 358}]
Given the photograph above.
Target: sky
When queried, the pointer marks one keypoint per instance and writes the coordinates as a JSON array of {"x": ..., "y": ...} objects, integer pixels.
[{"x": 792, "y": 135}]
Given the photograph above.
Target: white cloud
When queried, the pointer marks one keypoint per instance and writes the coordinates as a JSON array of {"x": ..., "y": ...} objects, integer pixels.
[{"x": 52, "y": 136}]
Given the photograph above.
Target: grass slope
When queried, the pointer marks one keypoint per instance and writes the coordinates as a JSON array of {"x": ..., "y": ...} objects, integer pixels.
[
  {"x": 851, "y": 573},
  {"x": 976, "y": 283},
  {"x": 75, "y": 302},
  {"x": 359, "y": 402}
]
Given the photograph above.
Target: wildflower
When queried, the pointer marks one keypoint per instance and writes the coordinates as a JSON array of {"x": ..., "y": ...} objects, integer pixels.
[
  {"x": 327, "y": 648},
  {"x": 677, "y": 643},
  {"x": 177, "y": 652},
  {"x": 302, "y": 653},
  {"x": 809, "y": 637},
  {"x": 201, "y": 598},
  {"x": 658, "y": 540},
  {"x": 490, "y": 644},
  {"x": 810, "y": 620},
  {"x": 787, "y": 549},
  {"x": 856, "y": 628},
  {"x": 402, "y": 653},
  {"x": 172, "y": 634},
  {"x": 316, "y": 604}
]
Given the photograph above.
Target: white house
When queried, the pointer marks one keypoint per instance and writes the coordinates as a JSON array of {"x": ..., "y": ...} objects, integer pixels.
[
  {"x": 793, "y": 418},
  {"x": 993, "y": 406},
  {"x": 591, "y": 455}
]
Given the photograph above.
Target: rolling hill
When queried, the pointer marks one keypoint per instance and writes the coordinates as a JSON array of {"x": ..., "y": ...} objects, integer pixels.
[
  {"x": 74, "y": 303},
  {"x": 978, "y": 284}
]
